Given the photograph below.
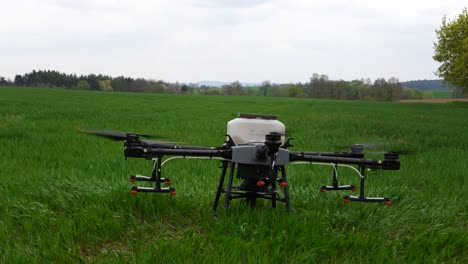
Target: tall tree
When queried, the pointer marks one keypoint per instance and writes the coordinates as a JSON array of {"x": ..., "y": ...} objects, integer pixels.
[
  {"x": 138, "y": 85},
  {"x": 3, "y": 81},
  {"x": 93, "y": 81},
  {"x": 105, "y": 85},
  {"x": 451, "y": 50},
  {"x": 234, "y": 88},
  {"x": 82, "y": 85},
  {"x": 264, "y": 88},
  {"x": 19, "y": 80}
]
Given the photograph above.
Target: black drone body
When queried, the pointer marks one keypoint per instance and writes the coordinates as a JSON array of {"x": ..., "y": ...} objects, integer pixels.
[{"x": 259, "y": 163}]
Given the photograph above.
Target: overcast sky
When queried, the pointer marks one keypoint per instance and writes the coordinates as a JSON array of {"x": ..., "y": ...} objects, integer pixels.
[{"x": 224, "y": 40}]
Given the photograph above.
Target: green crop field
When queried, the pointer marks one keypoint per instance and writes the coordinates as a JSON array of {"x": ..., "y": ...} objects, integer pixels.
[
  {"x": 442, "y": 94},
  {"x": 65, "y": 195}
]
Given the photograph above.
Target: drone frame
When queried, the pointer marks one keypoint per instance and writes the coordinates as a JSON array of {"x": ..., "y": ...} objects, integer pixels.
[{"x": 266, "y": 154}]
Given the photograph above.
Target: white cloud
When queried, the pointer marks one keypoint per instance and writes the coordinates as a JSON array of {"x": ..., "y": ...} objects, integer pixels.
[{"x": 190, "y": 40}]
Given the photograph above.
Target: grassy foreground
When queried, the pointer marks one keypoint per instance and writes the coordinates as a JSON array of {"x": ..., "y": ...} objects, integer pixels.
[{"x": 65, "y": 195}]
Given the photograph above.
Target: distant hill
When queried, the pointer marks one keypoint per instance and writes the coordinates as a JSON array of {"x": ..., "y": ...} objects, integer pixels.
[
  {"x": 427, "y": 85},
  {"x": 211, "y": 83},
  {"x": 220, "y": 84}
]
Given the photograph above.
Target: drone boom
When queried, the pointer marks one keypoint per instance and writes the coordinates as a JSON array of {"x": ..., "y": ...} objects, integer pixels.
[
  {"x": 150, "y": 153},
  {"x": 391, "y": 162}
]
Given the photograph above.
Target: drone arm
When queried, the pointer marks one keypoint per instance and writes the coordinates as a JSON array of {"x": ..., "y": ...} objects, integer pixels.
[
  {"x": 391, "y": 162},
  {"x": 148, "y": 152},
  {"x": 168, "y": 145},
  {"x": 187, "y": 152},
  {"x": 333, "y": 154}
]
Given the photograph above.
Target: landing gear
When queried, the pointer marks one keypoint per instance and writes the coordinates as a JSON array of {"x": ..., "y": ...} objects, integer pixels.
[
  {"x": 155, "y": 177},
  {"x": 348, "y": 198},
  {"x": 256, "y": 184}
]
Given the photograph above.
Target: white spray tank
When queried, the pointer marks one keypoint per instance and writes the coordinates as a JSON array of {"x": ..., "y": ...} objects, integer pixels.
[{"x": 247, "y": 128}]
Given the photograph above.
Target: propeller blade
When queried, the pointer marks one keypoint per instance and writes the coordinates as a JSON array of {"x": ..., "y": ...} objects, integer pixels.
[
  {"x": 377, "y": 148},
  {"x": 364, "y": 145},
  {"x": 113, "y": 135},
  {"x": 374, "y": 145},
  {"x": 400, "y": 152}
]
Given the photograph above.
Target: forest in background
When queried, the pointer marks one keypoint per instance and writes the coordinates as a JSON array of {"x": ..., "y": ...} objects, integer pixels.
[
  {"x": 425, "y": 85},
  {"x": 319, "y": 86}
]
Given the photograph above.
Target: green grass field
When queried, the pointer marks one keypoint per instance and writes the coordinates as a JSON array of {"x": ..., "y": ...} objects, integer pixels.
[
  {"x": 437, "y": 94},
  {"x": 442, "y": 94},
  {"x": 65, "y": 195}
]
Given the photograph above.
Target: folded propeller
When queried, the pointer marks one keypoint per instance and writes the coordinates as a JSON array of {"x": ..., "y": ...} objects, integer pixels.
[{"x": 376, "y": 148}]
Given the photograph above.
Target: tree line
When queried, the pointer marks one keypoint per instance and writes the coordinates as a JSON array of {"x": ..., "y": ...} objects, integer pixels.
[
  {"x": 319, "y": 86},
  {"x": 431, "y": 85},
  {"x": 93, "y": 82}
]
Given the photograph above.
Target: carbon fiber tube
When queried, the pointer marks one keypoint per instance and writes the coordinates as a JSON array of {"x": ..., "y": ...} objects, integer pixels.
[{"x": 386, "y": 164}]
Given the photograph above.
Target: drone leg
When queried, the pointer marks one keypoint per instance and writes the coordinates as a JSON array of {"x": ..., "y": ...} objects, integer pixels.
[
  {"x": 362, "y": 197},
  {"x": 157, "y": 172},
  {"x": 229, "y": 186},
  {"x": 363, "y": 179},
  {"x": 252, "y": 200},
  {"x": 335, "y": 175},
  {"x": 286, "y": 189},
  {"x": 335, "y": 186},
  {"x": 220, "y": 189},
  {"x": 273, "y": 186}
]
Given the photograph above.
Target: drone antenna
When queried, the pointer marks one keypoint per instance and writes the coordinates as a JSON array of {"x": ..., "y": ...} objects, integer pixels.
[
  {"x": 288, "y": 144},
  {"x": 229, "y": 142}
]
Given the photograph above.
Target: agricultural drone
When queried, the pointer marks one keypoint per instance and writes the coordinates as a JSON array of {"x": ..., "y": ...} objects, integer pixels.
[{"x": 256, "y": 152}]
